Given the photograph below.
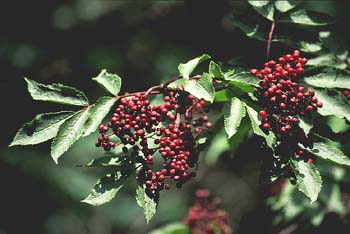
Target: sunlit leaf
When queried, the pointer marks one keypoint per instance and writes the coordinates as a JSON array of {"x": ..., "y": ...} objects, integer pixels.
[
  {"x": 69, "y": 132},
  {"x": 309, "y": 180},
  {"x": 57, "y": 93},
  {"x": 233, "y": 111},
  {"x": 307, "y": 18},
  {"x": 334, "y": 105},
  {"x": 105, "y": 189},
  {"x": 330, "y": 78},
  {"x": 186, "y": 69},
  {"x": 264, "y": 8},
  {"x": 97, "y": 113},
  {"x": 148, "y": 204},
  {"x": 42, "y": 128},
  {"x": 110, "y": 82},
  {"x": 329, "y": 152},
  {"x": 286, "y": 5}
]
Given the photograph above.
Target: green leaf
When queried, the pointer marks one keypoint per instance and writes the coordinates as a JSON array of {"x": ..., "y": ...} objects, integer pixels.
[
  {"x": 252, "y": 31},
  {"x": 254, "y": 119},
  {"x": 329, "y": 152},
  {"x": 42, "y": 128},
  {"x": 309, "y": 47},
  {"x": 200, "y": 88},
  {"x": 334, "y": 43},
  {"x": 307, "y": 18},
  {"x": 245, "y": 78},
  {"x": 328, "y": 60},
  {"x": 309, "y": 180},
  {"x": 333, "y": 105},
  {"x": 110, "y": 82},
  {"x": 264, "y": 8},
  {"x": 57, "y": 93},
  {"x": 97, "y": 113},
  {"x": 286, "y": 5},
  {"x": 107, "y": 161},
  {"x": 337, "y": 125},
  {"x": 306, "y": 125},
  {"x": 69, "y": 132},
  {"x": 105, "y": 189},
  {"x": 330, "y": 78},
  {"x": 148, "y": 205},
  {"x": 186, "y": 69},
  {"x": 234, "y": 111},
  {"x": 223, "y": 95},
  {"x": 244, "y": 81},
  {"x": 215, "y": 70},
  {"x": 173, "y": 228}
]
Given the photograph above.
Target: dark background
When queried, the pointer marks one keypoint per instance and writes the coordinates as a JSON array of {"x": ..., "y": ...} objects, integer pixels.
[{"x": 143, "y": 41}]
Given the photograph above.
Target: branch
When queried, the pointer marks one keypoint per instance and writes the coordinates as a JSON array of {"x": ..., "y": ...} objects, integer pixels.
[{"x": 269, "y": 40}]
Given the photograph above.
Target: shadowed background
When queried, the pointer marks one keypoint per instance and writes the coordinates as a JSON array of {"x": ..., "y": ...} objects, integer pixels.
[{"x": 143, "y": 41}]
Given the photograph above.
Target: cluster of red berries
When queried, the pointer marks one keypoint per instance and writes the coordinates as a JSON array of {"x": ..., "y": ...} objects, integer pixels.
[
  {"x": 168, "y": 130},
  {"x": 283, "y": 98},
  {"x": 204, "y": 217}
]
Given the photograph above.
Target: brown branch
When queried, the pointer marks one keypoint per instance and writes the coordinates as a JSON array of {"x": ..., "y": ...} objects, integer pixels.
[
  {"x": 269, "y": 40},
  {"x": 290, "y": 229}
]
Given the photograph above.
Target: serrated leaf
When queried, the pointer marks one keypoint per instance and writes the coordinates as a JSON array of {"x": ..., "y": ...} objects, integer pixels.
[
  {"x": 97, "y": 113},
  {"x": 333, "y": 105},
  {"x": 245, "y": 78},
  {"x": 244, "y": 81},
  {"x": 57, "y": 93},
  {"x": 329, "y": 152},
  {"x": 233, "y": 111},
  {"x": 264, "y": 8},
  {"x": 148, "y": 205},
  {"x": 42, "y": 128},
  {"x": 306, "y": 125},
  {"x": 200, "y": 88},
  {"x": 110, "y": 82},
  {"x": 330, "y": 78},
  {"x": 328, "y": 60},
  {"x": 174, "y": 228},
  {"x": 105, "y": 189},
  {"x": 215, "y": 70},
  {"x": 285, "y": 5},
  {"x": 186, "y": 69},
  {"x": 307, "y": 18},
  {"x": 254, "y": 119},
  {"x": 107, "y": 161},
  {"x": 69, "y": 132},
  {"x": 309, "y": 180},
  {"x": 309, "y": 47}
]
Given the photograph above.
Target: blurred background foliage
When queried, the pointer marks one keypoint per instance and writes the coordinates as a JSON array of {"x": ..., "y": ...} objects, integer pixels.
[{"x": 69, "y": 41}]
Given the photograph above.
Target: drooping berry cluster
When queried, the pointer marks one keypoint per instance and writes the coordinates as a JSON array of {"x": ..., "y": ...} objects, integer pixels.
[
  {"x": 284, "y": 100},
  {"x": 204, "y": 217},
  {"x": 166, "y": 130}
]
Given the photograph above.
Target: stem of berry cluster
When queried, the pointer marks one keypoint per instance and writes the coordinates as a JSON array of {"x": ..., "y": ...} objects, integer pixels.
[{"x": 269, "y": 40}]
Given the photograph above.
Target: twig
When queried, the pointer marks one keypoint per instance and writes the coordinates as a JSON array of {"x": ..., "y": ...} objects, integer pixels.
[
  {"x": 290, "y": 229},
  {"x": 269, "y": 40}
]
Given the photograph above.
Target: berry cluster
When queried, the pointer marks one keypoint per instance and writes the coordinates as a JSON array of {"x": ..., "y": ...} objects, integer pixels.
[
  {"x": 167, "y": 130},
  {"x": 204, "y": 217},
  {"x": 283, "y": 98}
]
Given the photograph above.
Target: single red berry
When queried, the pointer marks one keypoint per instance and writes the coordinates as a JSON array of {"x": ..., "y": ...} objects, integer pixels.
[{"x": 346, "y": 93}]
